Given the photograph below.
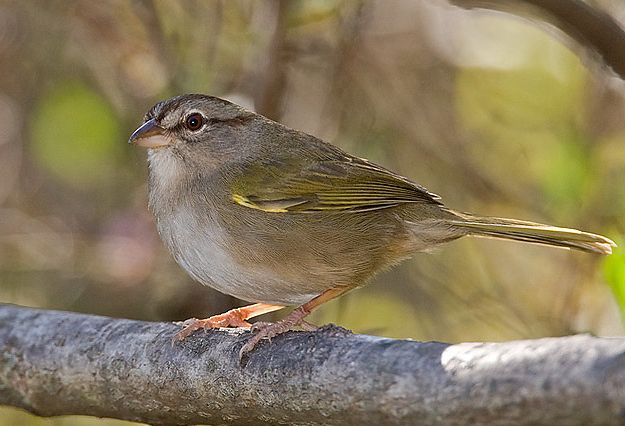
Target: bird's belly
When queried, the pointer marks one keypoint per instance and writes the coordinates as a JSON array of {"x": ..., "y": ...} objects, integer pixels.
[{"x": 203, "y": 250}]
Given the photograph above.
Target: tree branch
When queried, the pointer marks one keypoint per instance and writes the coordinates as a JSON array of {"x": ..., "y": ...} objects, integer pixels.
[{"x": 54, "y": 363}]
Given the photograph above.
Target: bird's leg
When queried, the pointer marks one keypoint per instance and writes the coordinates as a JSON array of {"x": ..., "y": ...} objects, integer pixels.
[
  {"x": 233, "y": 318},
  {"x": 265, "y": 330}
]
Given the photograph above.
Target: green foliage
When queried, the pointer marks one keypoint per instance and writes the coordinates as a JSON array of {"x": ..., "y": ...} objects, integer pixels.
[
  {"x": 533, "y": 116},
  {"x": 75, "y": 135},
  {"x": 521, "y": 99},
  {"x": 566, "y": 173},
  {"x": 614, "y": 272}
]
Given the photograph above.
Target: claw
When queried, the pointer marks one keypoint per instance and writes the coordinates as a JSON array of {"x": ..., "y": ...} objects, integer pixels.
[
  {"x": 233, "y": 318},
  {"x": 260, "y": 325},
  {"x": 268, "y": 330},
  {"x": 306, "y": 326},
  {"x": 296, "y": 317},
  {"x": 228, "y": 319}
]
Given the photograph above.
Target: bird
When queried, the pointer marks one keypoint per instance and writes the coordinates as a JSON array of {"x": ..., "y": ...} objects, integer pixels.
[{"x": 280, "y": 218}]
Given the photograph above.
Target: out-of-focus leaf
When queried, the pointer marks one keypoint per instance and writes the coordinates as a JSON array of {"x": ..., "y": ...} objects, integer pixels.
[
  {"x": 565, "y": 173},
  {"x": 308, "y": 13},
  {"x": 533, "y": 116},
  {"x": 614, "y": 272},
  {"x": 528, "y": 99},
  {"x": 75, "y": 135}
]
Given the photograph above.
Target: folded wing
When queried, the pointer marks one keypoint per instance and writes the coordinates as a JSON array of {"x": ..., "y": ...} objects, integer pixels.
[{"x": 348, "y": 184}]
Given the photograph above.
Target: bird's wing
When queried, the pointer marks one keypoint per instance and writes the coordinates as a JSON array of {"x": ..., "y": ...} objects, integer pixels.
[{"x": 347, "y": 184}]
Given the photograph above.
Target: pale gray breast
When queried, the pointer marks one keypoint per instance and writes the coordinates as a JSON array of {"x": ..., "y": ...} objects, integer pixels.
[
  {"x": 201, "y": 247},
  {"x": 201, "y": 244}
]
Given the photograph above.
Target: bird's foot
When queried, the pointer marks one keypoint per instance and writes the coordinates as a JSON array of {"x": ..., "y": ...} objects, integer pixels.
[
  {"x": 306, "y": 326},
  {"x": 268, "y": 330},
  {"x": 232, "y": 318}
]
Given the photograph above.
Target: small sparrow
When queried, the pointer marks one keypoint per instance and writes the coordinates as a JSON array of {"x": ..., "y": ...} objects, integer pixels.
[{"x": 278, "y": 217}]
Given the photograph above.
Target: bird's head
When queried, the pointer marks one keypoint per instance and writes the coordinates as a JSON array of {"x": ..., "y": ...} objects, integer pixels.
[{"x": 189, "y": 123}]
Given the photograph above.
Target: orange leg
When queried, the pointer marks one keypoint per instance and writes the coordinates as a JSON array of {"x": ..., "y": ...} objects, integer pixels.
[
  {"x": 233, "y": 318},
  {"x": 266, "y": 330}
]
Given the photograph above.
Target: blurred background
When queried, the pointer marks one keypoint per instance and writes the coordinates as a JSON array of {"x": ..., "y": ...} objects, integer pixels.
[{"x": 499, "y": 115}]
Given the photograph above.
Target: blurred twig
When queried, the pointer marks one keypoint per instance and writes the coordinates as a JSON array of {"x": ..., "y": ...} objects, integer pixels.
[
  {"x": 272, "y": 83},
  {"x": 55, "y": 363}
]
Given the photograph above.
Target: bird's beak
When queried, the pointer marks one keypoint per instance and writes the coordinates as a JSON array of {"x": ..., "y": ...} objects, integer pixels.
[{"x": 150, "y": 135}]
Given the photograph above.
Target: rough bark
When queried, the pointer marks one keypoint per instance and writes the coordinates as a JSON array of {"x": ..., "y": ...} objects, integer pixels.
[{"x": 54, "y": 363}]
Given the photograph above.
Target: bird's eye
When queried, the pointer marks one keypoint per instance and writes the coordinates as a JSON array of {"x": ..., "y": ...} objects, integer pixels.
[{"x": 194, "y": 121}]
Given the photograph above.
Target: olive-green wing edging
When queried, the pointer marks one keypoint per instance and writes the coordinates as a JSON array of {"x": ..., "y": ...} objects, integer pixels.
[{"x": 353, "y": 185}]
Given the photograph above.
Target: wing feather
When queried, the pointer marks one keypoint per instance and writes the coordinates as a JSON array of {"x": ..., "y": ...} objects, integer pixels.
[{"x": 350, "y": 184}]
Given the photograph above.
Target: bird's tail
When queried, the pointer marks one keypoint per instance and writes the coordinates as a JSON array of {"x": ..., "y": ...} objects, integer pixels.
[{"x": 531, "y": 232}]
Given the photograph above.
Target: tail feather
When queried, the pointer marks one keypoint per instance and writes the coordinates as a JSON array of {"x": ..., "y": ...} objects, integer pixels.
[{"x": 533, "y": 233}]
